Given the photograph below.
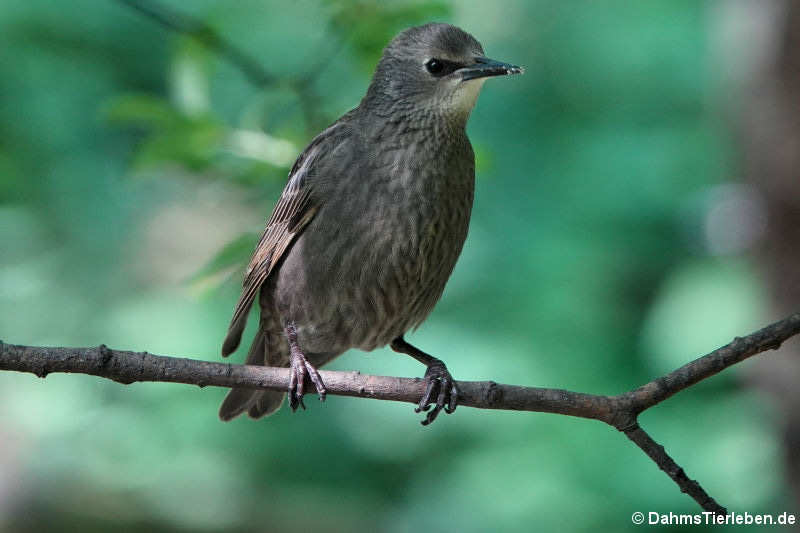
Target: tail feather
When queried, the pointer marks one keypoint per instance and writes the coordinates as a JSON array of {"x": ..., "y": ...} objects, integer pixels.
[
  {"x": 236, "y": 402},
  {"x": 257, "y": 403},
  {"x": 234, "y": 336},
  {"x": 266, "y": 403}
]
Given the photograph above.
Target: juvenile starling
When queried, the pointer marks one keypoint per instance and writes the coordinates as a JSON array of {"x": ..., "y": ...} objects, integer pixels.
[{"x": 368, "y": 229}]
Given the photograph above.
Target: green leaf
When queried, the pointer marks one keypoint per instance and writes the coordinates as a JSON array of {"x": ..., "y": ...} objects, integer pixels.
[
  {"x": 193, "y": 144},
  {"x": 231, "y": 257},
  {"x": 189, "y": 77},
  {"x": 386, "y": 19},
  {"x": 141, "y": 109}
]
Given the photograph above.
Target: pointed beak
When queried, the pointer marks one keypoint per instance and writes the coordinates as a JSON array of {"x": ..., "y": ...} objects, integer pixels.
[{"x": 485, "y": 67}]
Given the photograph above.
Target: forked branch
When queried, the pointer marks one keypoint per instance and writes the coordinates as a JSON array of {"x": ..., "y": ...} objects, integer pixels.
[{"x": 620, "y": 411}]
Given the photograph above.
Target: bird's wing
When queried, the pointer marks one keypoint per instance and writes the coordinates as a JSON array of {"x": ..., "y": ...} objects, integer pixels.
[{"x": 294, "y": 210}]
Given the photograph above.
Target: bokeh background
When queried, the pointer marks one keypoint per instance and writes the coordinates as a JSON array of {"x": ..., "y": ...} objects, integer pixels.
[{"x": 636, "y": 208}]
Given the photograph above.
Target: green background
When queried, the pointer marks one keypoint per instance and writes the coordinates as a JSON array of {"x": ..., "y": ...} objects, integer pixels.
[{"x": 130, "y": 156}]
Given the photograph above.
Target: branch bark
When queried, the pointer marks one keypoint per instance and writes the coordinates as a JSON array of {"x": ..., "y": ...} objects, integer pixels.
[{"x": 620, "y": 411}]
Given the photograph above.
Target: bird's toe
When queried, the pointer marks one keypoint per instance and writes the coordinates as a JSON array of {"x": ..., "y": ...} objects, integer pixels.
[{"x": 441, "y": 386}]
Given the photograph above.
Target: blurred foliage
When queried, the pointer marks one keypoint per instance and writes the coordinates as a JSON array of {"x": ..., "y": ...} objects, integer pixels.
[
  {"x": 386, "y": 19},
  {"x": 130, "y": 157}
]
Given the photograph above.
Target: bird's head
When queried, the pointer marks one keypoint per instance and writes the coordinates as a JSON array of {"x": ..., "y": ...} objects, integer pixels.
[{"x": 435, "y": 68}]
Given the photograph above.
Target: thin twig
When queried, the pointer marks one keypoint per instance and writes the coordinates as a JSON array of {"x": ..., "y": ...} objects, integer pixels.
[
  {"x": 658, "y": 454},
  {"x": 620, "y": 411},
  {"x": 184, "y": 23},
  {"x": 768, "y": 338},
  {"x": 203, "y": 32},
  {"x": 301, "y": 84}
]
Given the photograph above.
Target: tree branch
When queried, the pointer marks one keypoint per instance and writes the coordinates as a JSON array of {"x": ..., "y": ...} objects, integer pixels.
[{"x": 620, "y": 411}]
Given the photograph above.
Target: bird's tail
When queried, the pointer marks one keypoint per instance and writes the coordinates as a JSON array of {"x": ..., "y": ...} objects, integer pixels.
[{"x": 257, "y": 403}]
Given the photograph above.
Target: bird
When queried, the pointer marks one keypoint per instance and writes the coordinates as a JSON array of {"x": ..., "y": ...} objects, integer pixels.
[{"x": 368, "y": 228}]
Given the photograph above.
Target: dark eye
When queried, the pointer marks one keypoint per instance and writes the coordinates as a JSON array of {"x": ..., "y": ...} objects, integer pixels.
[{"x": 435, "y": 67}]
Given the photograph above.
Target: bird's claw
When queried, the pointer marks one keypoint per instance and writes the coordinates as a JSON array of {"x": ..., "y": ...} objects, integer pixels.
[
  {"x": 299, "y": 369},
  {"x": 441, "y": 385}
]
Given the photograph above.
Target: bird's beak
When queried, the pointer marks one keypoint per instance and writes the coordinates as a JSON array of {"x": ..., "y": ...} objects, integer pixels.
[{"x": 485, "y": 67}]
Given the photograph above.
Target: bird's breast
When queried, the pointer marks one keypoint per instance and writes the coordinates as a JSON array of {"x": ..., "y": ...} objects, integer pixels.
[
  {"x": 376, "y": 257},
  {"x": 414, "y": 226}
]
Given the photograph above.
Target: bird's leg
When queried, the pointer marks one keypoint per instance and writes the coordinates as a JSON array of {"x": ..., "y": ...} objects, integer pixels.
[
  {"x": 299, "y": 368},
  {"x": 438, "y": 381}
]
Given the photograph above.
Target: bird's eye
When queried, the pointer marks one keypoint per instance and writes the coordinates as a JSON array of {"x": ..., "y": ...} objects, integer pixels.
[{"x": 435, "y": 67}]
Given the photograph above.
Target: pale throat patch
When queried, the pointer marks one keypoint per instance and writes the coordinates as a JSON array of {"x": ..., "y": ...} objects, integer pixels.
[{"x": 465, "y": 95}]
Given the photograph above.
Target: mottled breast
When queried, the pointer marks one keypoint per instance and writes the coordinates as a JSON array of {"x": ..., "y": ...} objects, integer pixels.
[{"x": 376, "y": 257}]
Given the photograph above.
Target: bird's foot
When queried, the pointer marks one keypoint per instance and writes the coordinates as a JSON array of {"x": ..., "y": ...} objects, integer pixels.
[
  {"x": 299, "y": 368},
  {"x": 441, "y": 386}
]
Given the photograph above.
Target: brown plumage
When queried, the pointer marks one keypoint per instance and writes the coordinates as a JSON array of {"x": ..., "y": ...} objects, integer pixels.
[{"x": 371, "y": 222}]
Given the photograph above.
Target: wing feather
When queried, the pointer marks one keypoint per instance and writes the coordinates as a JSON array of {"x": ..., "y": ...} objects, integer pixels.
[{"x": 294, "y": 210}]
